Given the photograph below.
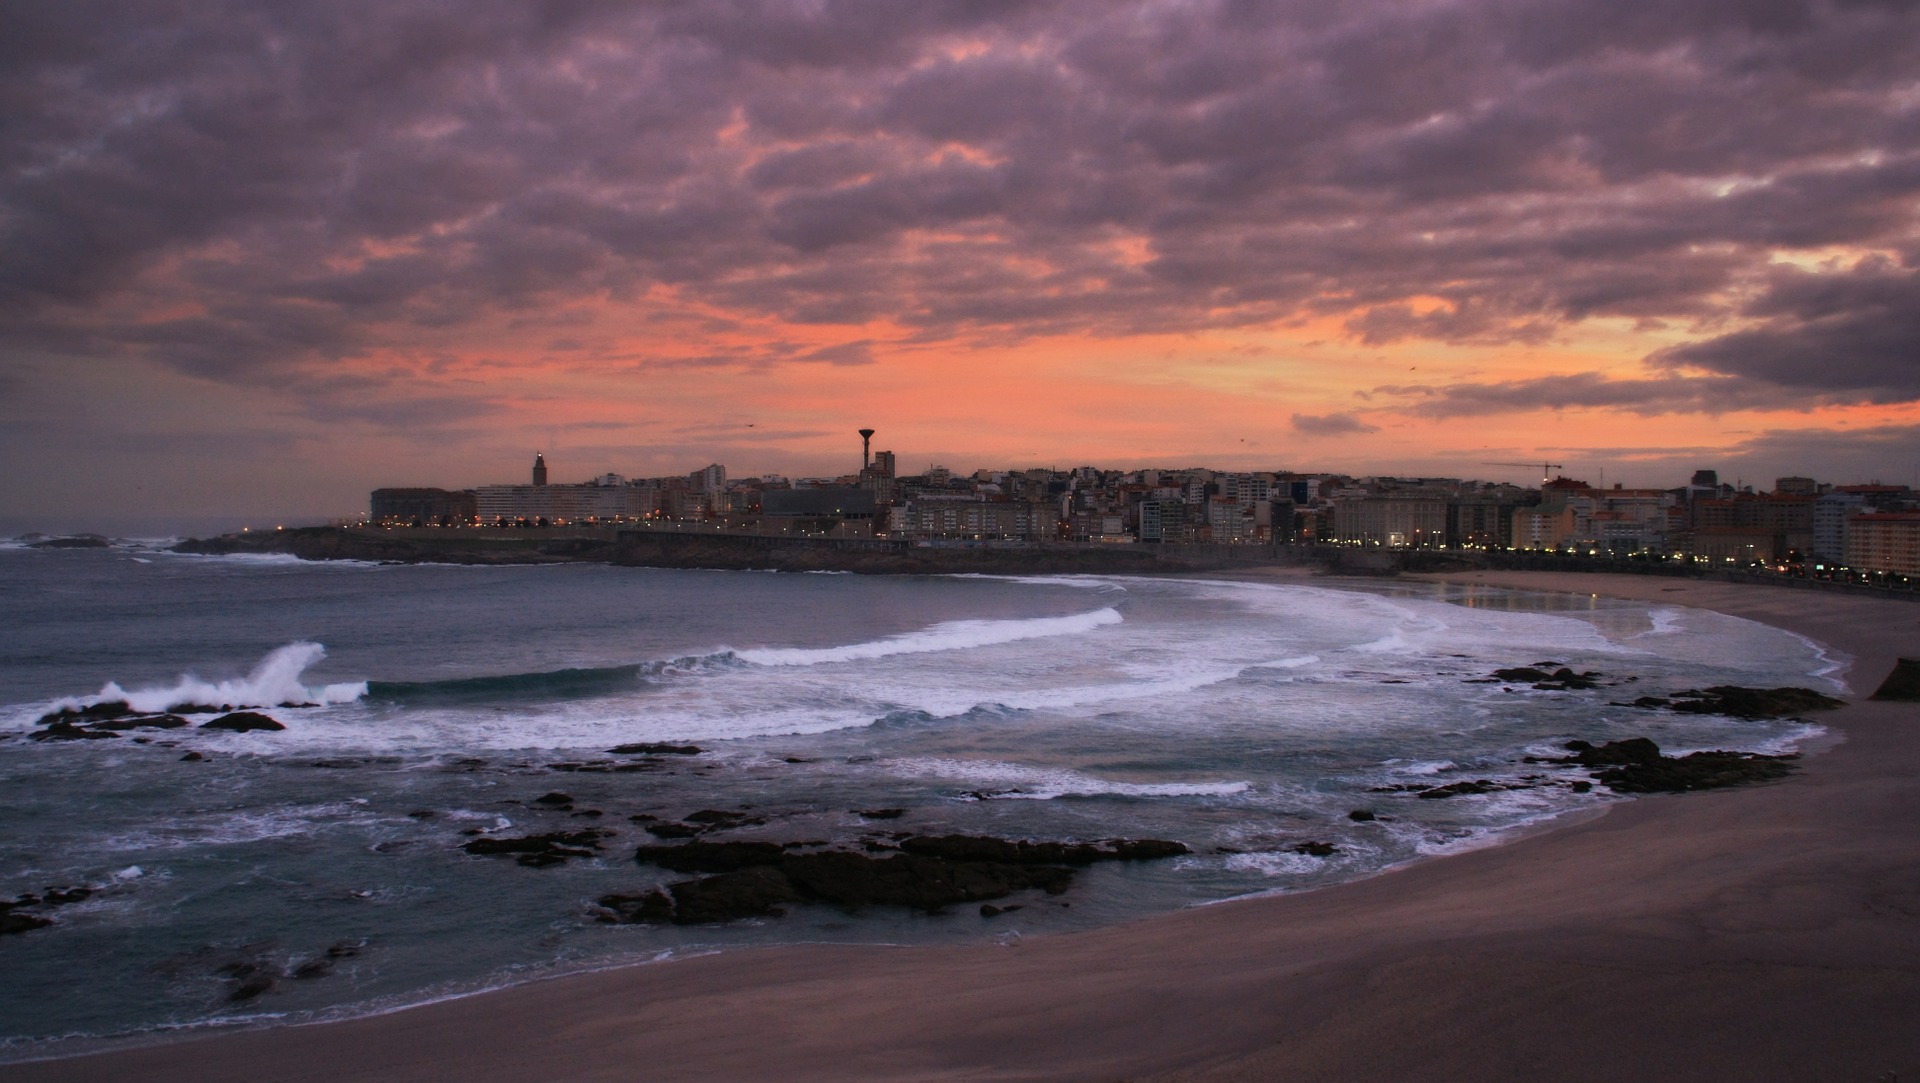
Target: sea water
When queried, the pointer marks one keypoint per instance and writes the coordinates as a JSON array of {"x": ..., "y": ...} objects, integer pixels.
[{"x": 1242, "y": 718}]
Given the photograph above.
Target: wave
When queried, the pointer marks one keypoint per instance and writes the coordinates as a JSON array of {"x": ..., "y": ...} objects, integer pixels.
[
  {"x": 1012, "y": 781},
  {"x": 556, "y": 684},
  {"x": 949, "y": 636},
  {"x": 275, "y": 680}
]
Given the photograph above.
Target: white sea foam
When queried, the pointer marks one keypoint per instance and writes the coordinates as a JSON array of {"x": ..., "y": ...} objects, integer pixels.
[
  {"x": 1018, "y": 781},
  {"x": 1666, "y": 622},
  {"x": 275, "y": 680},
  {"x": 949, "y": 636}
]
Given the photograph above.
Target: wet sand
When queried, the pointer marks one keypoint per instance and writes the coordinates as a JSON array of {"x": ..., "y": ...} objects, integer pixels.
[{"x": 1765, "y": 933}]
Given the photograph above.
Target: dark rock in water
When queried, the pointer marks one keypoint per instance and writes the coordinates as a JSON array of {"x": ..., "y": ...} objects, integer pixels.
[
  {"x": 554, "y": 798},
  {"x": 655, "y": 749},
  {"x": 985, "y": 848},
  {"x": 67, "y": 731},
  {"x": 1362, "y": 815},
  {"x": 720, "y": 818},
  {"x": 653, "y": 908},
  {"x": 249, "y": 979},
  {"x": 313, "y": 968},
  {"x": 1457, "y": 789},
  {"x": 541, "y": 851},
  {"x": 192, "y": 757},
  {"x": 672, "y": 830},
  {"x": 1903, "y": 684},
  {"x": 1632, "y": 750},
  {"x": 1696, "y": 771},
  {"x": 242, "y": 722},
  {"x": 1145, "y": 849},
  {"x": 95, "y": 712},
  {"x": 145, "y": 721},
  {"x": 1582, "y": 787},
  {"x": 201, "y": 708},
  {"x": 1315, "y": 849},
  {"x": 1738, "y": 702},
  {"x": 856, "y": 880},
  {"x": 931, "y": 872},
  {"x": 1558, "y": 679},
  {"x": 11, "y": 922},
  {"x": 752, "y": 892},
  {"x": 880, "y": 813},
  {"x": 698, "y": 856},
  {"x": 61, "y": 896},
  {"x": 988, "y": 910}
]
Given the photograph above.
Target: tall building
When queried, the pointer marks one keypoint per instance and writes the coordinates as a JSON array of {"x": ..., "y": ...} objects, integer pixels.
[{"x": 539, "y": 469}]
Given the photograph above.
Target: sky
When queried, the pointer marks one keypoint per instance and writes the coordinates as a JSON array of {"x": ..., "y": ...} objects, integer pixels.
[{"x": 258, "y": 259}]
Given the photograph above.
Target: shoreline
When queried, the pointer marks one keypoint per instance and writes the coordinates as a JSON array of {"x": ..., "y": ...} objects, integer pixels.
[{"x": 1669, "y": 928}]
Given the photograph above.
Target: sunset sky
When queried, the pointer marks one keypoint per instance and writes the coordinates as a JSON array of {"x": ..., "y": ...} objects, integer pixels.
[{"x": 257, "y": 259}]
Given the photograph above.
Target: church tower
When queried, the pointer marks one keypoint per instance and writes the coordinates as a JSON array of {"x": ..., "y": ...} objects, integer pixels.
[{"x": 539, "y": 469}]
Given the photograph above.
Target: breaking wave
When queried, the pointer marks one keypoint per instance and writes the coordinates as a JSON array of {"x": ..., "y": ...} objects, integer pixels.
[{"x": 275, "y": 680}]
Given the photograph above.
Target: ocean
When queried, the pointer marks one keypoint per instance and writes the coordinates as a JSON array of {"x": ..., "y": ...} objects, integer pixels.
[{"x": 318, "y": 872}]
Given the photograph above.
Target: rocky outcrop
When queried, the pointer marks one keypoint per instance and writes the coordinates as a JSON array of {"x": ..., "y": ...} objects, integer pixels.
[
  {"x": 929, "y": 873},
  {"x": 1903, "y": 684},
  {"x": 1636, "y": 765},
  {"x": 12, "y": 920},
  {"x": 541, "y": 851},
  {"x": 1548, "y": 677},
  {"x": 243, "y": 722},
  {"x": 1737, "y": 702}
]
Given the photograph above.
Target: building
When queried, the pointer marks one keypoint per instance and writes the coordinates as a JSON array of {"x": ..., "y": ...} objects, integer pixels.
[
  {"x": 422, "y": 507},
  {"x": 1396, "y": 519},
  {"x": 1887, "y": 541},
  {"x": 1830, "y": 514}
]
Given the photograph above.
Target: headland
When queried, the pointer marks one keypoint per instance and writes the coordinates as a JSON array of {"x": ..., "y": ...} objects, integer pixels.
[{"x": 1762, "y": 933}]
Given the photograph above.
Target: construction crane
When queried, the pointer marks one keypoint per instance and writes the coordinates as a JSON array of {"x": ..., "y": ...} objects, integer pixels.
[{"x": 1546, "y": 469}]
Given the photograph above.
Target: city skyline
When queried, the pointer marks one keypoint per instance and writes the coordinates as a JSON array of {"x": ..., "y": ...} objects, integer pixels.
[{"x": 254, "y": 263}]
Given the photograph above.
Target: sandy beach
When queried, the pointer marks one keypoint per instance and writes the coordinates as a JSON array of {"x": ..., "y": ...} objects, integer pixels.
[{"x": 1763, "y": 933}]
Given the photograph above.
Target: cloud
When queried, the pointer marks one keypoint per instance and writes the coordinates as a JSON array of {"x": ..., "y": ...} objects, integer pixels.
[
  {"x": 1330, "y": 425},
  {"x": 1853, "y": 333},
  {"x": 1591, "y": 391},
  {"x": 243, "y": 192}
]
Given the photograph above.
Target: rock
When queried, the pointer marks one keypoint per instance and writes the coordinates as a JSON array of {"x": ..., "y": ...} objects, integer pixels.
[
  {"x": 541, "y": 851},
  {"x": 192, "y": 757},
  {"x": 1362, "y": 815},
  {"x": 672, "y": 830},
  {"x": 1903, "y": 684},
  {"x": 243, "y": 722},
  {"x": 113, "y": 708},
  {"x": 653, "y": 908},
  {"x": 1632, "y": 750},
  {"x": 1738, "y": 702},
  {"x": 752, "y": 892},
  {"x": 1315, "y": 849},
  {"x": 67, "y": 731},
  {"x": 880, "y": 813},
  {"x": 149, "y": 721},
  {"x": 719, "y": 818},
  {"x": 699, "y": 856},
  {"x": 1456, "y": 789},
  {"x": 11, "y": 922},
  {"x": 931, "y": 872},
  {"x": 1696, "y": 771},
  {"x": 655, "y": 749},
  {"x": 554, "y": 798}
]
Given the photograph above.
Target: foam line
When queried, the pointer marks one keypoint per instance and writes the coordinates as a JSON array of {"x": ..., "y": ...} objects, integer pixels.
[{"x": 956, "y": 635}]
